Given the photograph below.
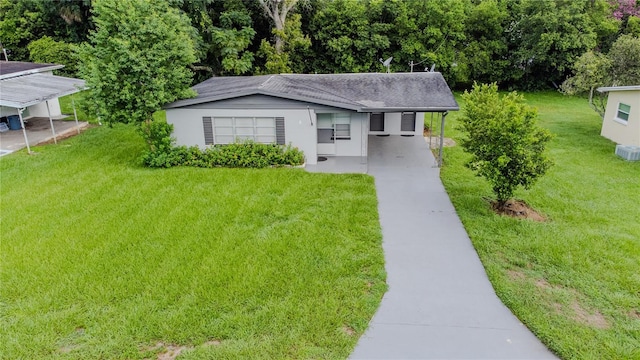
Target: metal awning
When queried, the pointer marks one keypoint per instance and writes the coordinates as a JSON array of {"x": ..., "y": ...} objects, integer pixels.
[{"x": 22, "y": 91}]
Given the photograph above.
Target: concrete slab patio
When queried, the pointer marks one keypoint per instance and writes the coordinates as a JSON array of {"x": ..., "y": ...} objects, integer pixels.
[
  {"x": 38, "y": 132},
  {"x": 440, "y": 303}
]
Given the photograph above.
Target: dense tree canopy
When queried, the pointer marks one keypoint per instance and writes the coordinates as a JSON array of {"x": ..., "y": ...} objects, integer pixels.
[
  {"x": 620, "y": 67},
  {"x": 137, "y": 58},
  {"x": 524, "y": 44}
]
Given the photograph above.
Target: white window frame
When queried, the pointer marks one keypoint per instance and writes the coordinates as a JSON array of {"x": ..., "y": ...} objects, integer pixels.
[
  {"x": 338, "y": 123},
  {"x": 243, "y": 137},
  {"x": 618, "y": 111}
]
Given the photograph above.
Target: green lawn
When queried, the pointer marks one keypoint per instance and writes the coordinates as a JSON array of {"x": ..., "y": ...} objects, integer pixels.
[
  {"x": 101, "y": 258},
  {"x": 574, "y": 280}
]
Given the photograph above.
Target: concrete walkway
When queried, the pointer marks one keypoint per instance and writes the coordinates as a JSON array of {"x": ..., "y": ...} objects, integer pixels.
[{"x": 440, "y": 303}]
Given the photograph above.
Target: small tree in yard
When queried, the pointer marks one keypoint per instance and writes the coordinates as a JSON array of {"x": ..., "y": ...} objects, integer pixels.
[
  {"x": 137, "y": 59},
  {"x": 507, "y": 147}
]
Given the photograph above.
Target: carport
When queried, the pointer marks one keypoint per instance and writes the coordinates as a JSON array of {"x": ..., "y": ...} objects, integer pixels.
[{"x": 23, "y": 89}]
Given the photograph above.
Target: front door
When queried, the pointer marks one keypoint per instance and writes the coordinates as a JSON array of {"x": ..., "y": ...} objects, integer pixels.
[{"x": 326, "y": 135}]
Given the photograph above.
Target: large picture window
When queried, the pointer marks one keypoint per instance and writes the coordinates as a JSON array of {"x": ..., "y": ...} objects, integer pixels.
[
  {"x": 227, "y": 130},
  {"x": 623, "y": 112}
]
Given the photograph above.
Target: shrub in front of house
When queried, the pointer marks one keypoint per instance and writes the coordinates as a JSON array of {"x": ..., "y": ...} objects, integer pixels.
[{"x": 247, "y": 154}]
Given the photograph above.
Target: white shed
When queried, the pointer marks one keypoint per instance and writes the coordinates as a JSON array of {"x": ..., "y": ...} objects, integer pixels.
[{"x": 621, "y": 122}]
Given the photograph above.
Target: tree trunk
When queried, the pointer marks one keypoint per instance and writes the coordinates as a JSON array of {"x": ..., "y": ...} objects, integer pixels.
[
  {"x": 594, "y": 106},
  {"x": 277, "y": 11}
]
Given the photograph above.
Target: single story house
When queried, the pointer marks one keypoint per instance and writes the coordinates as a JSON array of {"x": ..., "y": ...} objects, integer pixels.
[
  {"x": 321, "y": 114},
  {"x": 621, "y": 122}
]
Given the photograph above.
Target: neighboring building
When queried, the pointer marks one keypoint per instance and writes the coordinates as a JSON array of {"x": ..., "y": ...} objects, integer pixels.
[
  {"x": 29, "y": 90},
  {"x": 321, "y": 114},
  {"x": 20, "y": 80},
  {"x": 621, "y": 121}
]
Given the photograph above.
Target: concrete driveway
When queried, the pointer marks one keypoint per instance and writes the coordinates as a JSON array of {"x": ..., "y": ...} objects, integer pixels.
[{"x": 440, "y": 303}]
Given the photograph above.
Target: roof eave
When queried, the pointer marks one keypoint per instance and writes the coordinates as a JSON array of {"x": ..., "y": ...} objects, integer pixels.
[
  {"x": 412, "y": 109},
  {"x": 202, "y": 100},
  {"x": 18, "y": 105},
  {"x": 197, "y": 101},
  {"x": 604, "y": 89},
  {"x": 31, "y": 71}
]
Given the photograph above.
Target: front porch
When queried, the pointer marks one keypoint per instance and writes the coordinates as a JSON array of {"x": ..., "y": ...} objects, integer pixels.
[{"x": 393, "y": 150}]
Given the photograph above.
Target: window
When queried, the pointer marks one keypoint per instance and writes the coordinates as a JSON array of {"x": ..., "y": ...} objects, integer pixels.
[
  {"x": 342, "y": 123},
  {"x": 333, "y": 127},
  {"x": 227, "y": 130},
  {"x": 623, "y": 112},
  {"x": 376, "y": 122},
  {"x": 408, "y": 121}
]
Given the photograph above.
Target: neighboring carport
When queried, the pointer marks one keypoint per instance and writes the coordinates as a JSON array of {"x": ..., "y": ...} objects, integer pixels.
[{"x": 20, "y": 92}]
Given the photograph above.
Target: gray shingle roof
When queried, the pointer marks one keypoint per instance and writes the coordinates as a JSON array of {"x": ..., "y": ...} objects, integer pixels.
[
  {"x": 17, "y": 68},
  {"x": 360, "y": 92},
  {"x": 27, "y": 90}
]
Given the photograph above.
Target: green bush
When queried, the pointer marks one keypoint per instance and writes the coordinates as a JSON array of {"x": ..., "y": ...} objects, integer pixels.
[
  {"x": 47, "y": 50},
  {"x": 157, "y": 135},
  {"x": 247, "y": 154},
  {"x": 506, "y": 144}
]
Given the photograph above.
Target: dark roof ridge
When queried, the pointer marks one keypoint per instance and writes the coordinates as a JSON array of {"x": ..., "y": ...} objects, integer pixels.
[{"x": 307, "y": 86}]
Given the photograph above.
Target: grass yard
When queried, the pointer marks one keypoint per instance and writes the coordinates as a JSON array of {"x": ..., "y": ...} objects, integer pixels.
[
  {"x": 574, "y": 280},
  {"x": 101, "y": 258}
]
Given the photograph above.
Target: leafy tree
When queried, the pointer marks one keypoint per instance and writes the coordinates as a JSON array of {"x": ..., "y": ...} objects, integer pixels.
[
  {"x": 277, "y": 10},
  {"x": 633, "y": 26},
  {"x": 552, "y": 35},
  {"x": 625, "y": 60},
  {"x": 292, "y": 40},
  {"x": 24, "y": 21},
  {"x": 507, "y": 147},
  {"x": 346, "y": 40},
  {"x": 487, "y": 46},
  {"x": 592, "y": 70},
  {"x": 621, "y": 66},
  {"x": 20, "y": 23},
  {"x": 47, "y": 50},
  {"x": 232, "y": 39},
  {"x": 137, "y": 60}
]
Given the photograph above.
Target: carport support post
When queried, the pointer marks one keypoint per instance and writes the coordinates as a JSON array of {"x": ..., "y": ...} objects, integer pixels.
[
  {"x": 51, "y": 122},
  {"x": 75, "y": 114},
  {"x": 444, "y": 115},
  {"x": 24, "y": 131}
]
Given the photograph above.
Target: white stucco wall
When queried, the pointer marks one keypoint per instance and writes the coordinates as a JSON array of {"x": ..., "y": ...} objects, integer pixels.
[
  {"x": 40, "y": 110},
  {"x": 392, "y": 123},
  {"x": 299, "y": 130},
  {"x": 353, "y": 147},
  {"x": 6, "y": 111},
  {"x": 622, "y": 133}
]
